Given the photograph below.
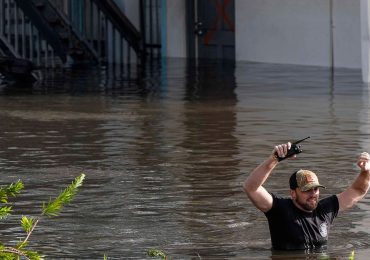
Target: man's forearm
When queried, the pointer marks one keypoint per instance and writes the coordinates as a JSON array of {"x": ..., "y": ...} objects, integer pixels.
[
  {"x": 362, "y": 183},
  {"x": 260, "y": 174}
]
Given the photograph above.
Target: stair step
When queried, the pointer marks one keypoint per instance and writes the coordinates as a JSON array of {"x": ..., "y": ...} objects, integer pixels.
[
  {"x": 53, "y": 20},
  {"x": 64, "y": 35},
  {"x": 39, "y": 4}
]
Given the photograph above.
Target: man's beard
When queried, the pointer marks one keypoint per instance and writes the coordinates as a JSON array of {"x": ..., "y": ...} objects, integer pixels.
[{"x": 308, "y": 205}]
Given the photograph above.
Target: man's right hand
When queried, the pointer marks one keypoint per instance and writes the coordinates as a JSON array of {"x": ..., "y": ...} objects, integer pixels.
[{"x": 281, "y": 150}]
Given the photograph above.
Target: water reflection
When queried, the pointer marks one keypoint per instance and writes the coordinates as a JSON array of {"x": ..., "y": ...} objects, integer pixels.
[
  {"x": 165, "y": 151},
  {"x": 210, "y": 214}
]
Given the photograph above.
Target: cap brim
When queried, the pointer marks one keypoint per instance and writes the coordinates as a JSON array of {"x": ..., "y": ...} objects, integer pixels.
[{"x": 311, "y": 186}]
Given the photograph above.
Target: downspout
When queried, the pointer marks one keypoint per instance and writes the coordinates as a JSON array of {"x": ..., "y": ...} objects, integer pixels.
[
  {"x": 332, "y": 64},
  {"x": 163, "y": 28},
  {"x": 196, "y": 35},
  {"x": 365, "y": 40},
  {"x": 164, "y": 85}
]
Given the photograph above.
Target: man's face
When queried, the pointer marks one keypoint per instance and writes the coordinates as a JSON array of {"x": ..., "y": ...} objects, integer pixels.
[{"x": 306, "y": 200}]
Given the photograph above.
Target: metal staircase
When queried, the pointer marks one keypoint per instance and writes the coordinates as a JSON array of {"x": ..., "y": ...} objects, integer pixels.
[
  {"x": 57, "y": 31},
  {"x": 122, "y": 24},
  {"x": 48, "y": 35}
]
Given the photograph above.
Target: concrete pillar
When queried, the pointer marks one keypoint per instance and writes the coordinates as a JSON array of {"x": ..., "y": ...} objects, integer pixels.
[{"x": 365, "y": 40}]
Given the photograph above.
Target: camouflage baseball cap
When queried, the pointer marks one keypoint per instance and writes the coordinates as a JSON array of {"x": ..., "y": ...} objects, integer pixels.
[{"x": 304, "y": 180}]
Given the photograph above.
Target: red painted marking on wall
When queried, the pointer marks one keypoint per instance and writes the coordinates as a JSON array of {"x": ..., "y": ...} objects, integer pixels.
[{"x": 220, "y": 16}]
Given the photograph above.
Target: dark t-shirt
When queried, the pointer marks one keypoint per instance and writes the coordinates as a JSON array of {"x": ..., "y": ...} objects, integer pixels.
[{"x": 294, "y": 229}]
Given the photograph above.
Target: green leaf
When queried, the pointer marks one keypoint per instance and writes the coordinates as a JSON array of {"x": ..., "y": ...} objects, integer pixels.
[
  {"x": 32, "y": 255},
  {"x": 53, "y": 207},
  {"x": 11, "y": 190},
  {"x": 21, "y": 245},
  {"x": 7, "y": 256},
  {"x": 15, "y": 188},
  {"x": 5, "y": 212},
  {"x": 11, "y": 253},
  {"x": 352, "y": 256},
  {"x": 27, "y": 224},
  {"x": 157, "y": 253}
]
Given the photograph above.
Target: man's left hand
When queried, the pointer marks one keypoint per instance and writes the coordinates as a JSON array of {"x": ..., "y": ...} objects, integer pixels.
[{"x": 364, "y": 162}]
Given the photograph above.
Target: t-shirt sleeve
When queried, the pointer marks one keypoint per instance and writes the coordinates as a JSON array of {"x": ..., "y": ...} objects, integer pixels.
[
  {"x": 275, "y": 204},
  {"x": 330, "y": 207}
]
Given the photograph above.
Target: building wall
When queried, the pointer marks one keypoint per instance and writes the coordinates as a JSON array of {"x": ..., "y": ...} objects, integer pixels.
[
  {"x": 347, "y": 33},
  {"x": 299, "y": 32},
  {"x": 284, "y": 31}
]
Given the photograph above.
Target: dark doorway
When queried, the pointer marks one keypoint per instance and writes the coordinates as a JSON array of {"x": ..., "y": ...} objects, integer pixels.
[{"x": 211, "y": 29}]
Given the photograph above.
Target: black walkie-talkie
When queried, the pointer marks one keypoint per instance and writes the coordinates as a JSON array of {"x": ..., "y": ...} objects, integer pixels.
[{"x": 294, "y": 149}]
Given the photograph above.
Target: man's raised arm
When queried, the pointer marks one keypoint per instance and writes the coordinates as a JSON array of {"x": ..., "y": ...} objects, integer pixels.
[
  {"x": 253, "y": 184},
  {"x": 359, "y": 187}
]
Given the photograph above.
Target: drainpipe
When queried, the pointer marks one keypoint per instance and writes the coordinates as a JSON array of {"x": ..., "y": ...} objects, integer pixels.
[
  {"x": 164, "y": 28},
  {"x": 331, "y": 38},
  {"x": 365, "y": 40}
]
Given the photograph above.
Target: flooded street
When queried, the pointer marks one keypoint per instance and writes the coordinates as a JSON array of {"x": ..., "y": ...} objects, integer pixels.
[{"x": 165, "y": 157}]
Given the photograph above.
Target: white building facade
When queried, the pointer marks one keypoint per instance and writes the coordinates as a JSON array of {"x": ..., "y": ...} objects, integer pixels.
[{"x": 330, "y": 33}]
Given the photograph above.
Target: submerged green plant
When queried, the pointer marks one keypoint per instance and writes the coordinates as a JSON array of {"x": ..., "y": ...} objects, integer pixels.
[
  {"x": 157, "y": 253},
  {"x": 352, "y": 256},
  {"x": 50, "y": 209}
]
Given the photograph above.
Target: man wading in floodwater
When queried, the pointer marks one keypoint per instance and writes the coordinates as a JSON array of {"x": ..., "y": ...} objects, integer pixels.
[{"x": 302, "y": 221}]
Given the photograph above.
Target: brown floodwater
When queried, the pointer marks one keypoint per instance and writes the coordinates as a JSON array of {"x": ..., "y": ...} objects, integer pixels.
[{"x": 165, "y": 152}]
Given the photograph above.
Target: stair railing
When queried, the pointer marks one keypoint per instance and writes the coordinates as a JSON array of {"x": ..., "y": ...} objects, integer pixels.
[
  {"x": 104, "y": 26},
  {"x": 19, "y": 37},
  {"x": 99, "y": 22}
]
